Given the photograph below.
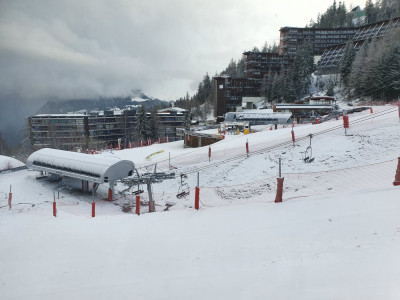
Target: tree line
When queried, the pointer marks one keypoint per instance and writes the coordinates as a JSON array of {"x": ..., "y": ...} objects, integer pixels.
[
  {"x": 294, "y": 83},
  {"x": 337, "y": 15}
]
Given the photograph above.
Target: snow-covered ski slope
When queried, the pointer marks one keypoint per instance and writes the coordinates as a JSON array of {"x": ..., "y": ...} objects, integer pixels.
[{"x": 335, "y": 236}]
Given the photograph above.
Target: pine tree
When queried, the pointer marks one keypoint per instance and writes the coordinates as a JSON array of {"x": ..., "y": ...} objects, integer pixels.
[
  {"x": 153, "y": 126},
  {"x": 346, "y": 62},
  {"x": 277, "y": 82},
  {"x": 357, "y": 69},
  {"x": 289, "y": 91},
  {"x": 265, "y": 48},
  {"x": 264, "y": 89},
  {"x": 187, "y": 121},
  {"x": 142, "y": 127},
  {"x": 207, "y": 88},
  {"x": 231, "y": 69},
  {"x": 330, "y": 88},
  {"x": 241, "y": 67},
  {"x": 301, "y": 71},
  {"x": 370, "y": 11}
]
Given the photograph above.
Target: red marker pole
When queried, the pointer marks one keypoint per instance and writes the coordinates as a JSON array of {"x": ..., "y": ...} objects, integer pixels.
[
  {"x": 293, "y": 138},
  {"x": 54, "y": 205},
  {"x": 197, "y": 193},
  {"x": 138, "y": 205},
  {"x": 54, "y": 209},
  {"x": 93, "y": 209},
  {"x": 10, "y": 199},
  {"x": 398, "y": 104},
  {"x": 197, "y": 198},
  {"x": 209, "y": 153},
  {"x": 247, "y": 148}
]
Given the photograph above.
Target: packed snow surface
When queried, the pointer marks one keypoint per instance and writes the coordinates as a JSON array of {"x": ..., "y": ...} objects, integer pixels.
[{"x": 336, "y": 235}]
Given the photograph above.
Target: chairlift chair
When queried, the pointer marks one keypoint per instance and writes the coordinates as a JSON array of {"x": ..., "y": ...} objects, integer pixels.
[
  {"x": 138, "y": 191},
  {"x": 184, "y": 189},
  {"x": 307, "y": 155}
]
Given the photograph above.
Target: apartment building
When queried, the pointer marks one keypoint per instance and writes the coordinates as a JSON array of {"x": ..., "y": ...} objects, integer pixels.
[
  {"x": 170, "y": 120},
  {"x": 229, "y": 92},
  {"x": 61, "y": 131},
  {"x": 320, "y": 38},
  {"x": 97, "y": 129}
]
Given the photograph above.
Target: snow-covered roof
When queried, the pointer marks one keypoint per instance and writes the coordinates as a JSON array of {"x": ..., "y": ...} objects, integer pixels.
[
  {"x": 257, "y": 114},
  {"x": 305, "y": 106},
  {"x": 168, "y": 109},
  {"x": 245, "y": 115},
  {"x": 59, "y": 115},
  {"x": 94, "y": 168}
]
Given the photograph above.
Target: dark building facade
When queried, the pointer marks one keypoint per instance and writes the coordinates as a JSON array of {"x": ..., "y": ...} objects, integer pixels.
[
  {"x": 97, "y": 130},
  {"x": 229, "y": 92},
  {"x": 320, "y": 38}
]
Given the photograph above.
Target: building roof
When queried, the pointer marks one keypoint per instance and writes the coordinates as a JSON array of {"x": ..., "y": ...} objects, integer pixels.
[
  {"x": 94, "y": 168},
  {"x": 59, "y": 116},
  {"x": 318, "y": 29},
  {"x": 322, "y": 98}
]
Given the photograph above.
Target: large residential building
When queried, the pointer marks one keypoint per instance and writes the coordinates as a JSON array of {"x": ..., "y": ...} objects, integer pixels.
[
  {"x": 229, "y": 92},
  {"x": 320, "y": 38},
  {"x": 260, "y": 64},
  {"x": 97, "y": 129}
]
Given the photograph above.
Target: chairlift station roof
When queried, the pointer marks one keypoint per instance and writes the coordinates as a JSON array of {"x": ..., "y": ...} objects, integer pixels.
[{"x": 94, "y": 168}]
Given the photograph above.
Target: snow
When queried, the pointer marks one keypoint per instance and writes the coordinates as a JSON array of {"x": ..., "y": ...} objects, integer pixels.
[
  {"x": 7, "y": 163},
  {"x": 138, "y": 99},
  {"x": 336, "y": 235},
  {"x": 168, "y": 109}
]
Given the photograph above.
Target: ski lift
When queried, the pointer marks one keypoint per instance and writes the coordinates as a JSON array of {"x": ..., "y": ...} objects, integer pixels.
[
  {"x": 183, "y": 190},
  {"x": 307, "y": 155}
]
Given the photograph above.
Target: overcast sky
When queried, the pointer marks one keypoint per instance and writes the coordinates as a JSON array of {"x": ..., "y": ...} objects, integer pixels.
[{"x": 69, "y": 49}]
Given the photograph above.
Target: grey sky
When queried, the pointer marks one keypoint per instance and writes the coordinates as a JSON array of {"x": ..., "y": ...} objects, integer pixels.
[{"x": 88, "y": 48}]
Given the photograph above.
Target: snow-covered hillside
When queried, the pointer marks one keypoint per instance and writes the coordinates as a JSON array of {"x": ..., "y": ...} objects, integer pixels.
[{"x": 335, "y": 236}]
